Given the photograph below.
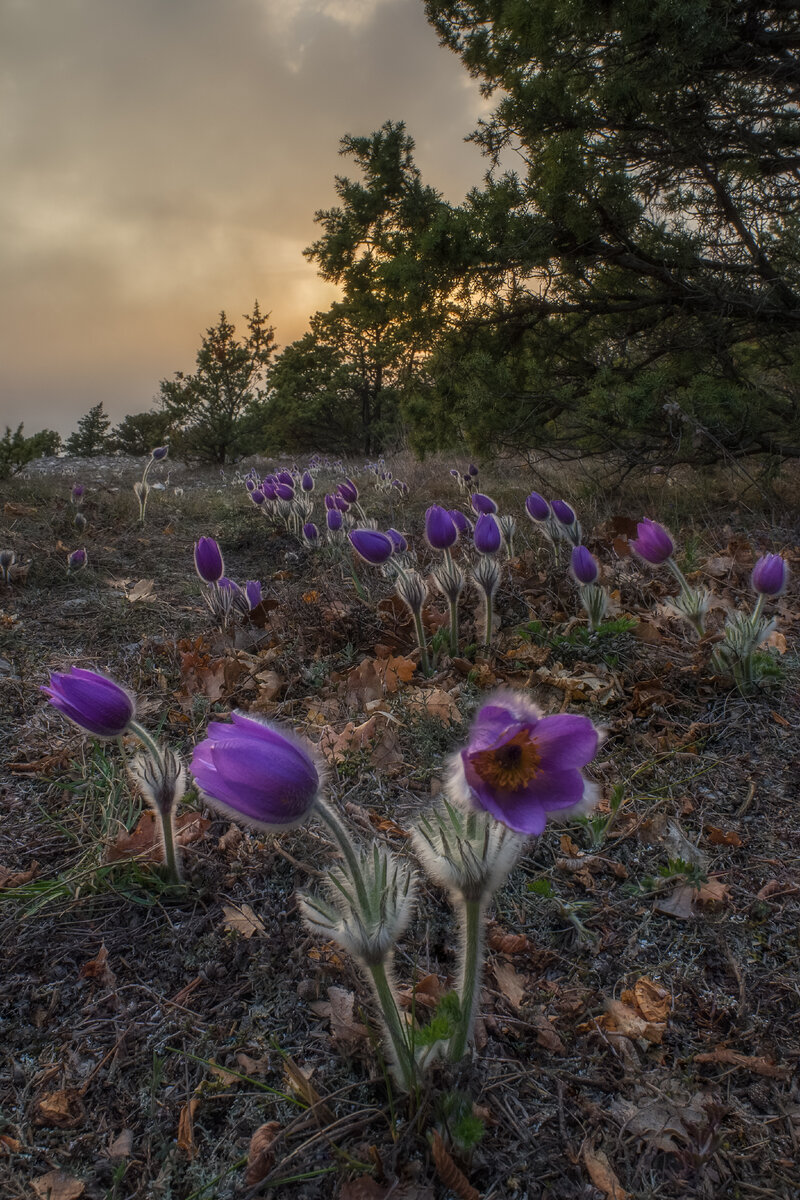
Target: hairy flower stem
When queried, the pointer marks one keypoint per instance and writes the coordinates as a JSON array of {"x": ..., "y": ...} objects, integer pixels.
[
  {"x": 759, "y": 608},
  {"x": 425, "y": 661},
  {"x": 384, "y": 991},
  {"x": 488, "y": 618},
  {"x": 166, "y": 819},
  {"x": 472, "y": 932}
]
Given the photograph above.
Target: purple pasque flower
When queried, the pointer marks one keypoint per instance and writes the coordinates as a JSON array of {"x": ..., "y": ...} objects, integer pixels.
[
  {"x": 584, "y": 567},
  {"x": 522, "y": 767},
  {"x": 250, "y": 485},
  {"x": 472, "y": 469},
  {"x": 284, "y": 491},
  {"x": 228, "y": 585},
  {"x": 482, "y": 504},
  {"x": 770, "y": 575},
  {"x": 330, "y": 501},
  {"x": 208, "y": 560},
  {"x": 93, "y": 701},
  {"x": 253, "y": 591},
  {"x": 159, "y": 453},
  {"x": 374, "y": 547},
  {"x": 77, "y": 492},
  {"x": 653, "y": 543},
  {"x": 307, "y": 481},
  {"x": 562, "y": 512},
  {"x": 310, "y": 533},
  {"x": 258, "y": 497},
  {"x": 398, "y": 541},
  {"x": 77, "y": 559},
  {"x": 441, "y": 530},
  {"x": 341, "y": 504},
  {"x": 462, "y": 521},
  {"x": 537, "y": 507},
  {"x": 487, "y": 536},
  {"x": 270, "y": 490},
  {"x": 348, "y": 491},
  {"x": 333, "y": 519},
  {"x": 286, "y": 478},
  {"x": 254, "y": 771}
]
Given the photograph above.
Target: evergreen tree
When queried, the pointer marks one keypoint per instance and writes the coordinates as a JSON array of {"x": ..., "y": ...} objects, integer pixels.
[
  {"x": 635, "y": 280},
  {"x": 138, "y": 433},
  {"x": 16, "y": 450},
  {"x": 212, "y": 410},
  {"x": 91, "y": 436},
  {"x": 347, "y": 376}
]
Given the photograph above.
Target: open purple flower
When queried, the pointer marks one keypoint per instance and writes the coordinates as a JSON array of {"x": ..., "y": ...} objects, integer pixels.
[
  {"x": 653, "y": 543},
  {"x": 487, "y": 536},
  {"x": 537, "y": 507},
  {"x": 769, "y": 575},
  {"x": 93, "y": 701},
  {"x": 441, "y": 530},
  {"x": 374, "y": 547},
  {"x": 482, "y": 504},
  {"x": 254, "y": 771},
  {"x": 208, "y": 560},
  {"x": 522, "y": 767},
  {"x": 584, "y": 567}
]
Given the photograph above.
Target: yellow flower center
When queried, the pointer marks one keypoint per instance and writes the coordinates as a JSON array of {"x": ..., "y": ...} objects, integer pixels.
[{"x": 511, "y": 766}]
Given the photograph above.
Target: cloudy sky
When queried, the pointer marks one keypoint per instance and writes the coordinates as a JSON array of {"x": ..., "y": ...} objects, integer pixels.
[{"x": 163, "y": 159}]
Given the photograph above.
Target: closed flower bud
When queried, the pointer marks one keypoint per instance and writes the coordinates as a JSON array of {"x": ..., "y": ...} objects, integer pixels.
[
  {"x": 307, "y": 482},
  {"x": 333, "y": 519},
  {"x": 487, "y": 537},
  {"x": 462, "y": 522},
  {"x": 258, "y": 497},
  {"x": 441, "y": 531},
  {"x": 77, "y": 559},
  {"x": 208, "y": 560},
  {"x": 399, "y": 542},
  {"x": 770, "y": 575},
  {"x": 653, "y": 543},
  {"x": 563, "y": 512},
  {"x": 482, "y": 504},
  {"x": 253, "y": 592},
  {"x": 374, "y": 547},
  {"x": 93, "y": 701},
  {"x": 159, "y": 453},
  {"x": 537, "y": 507},
  {"x": 348, "y": 491},
  {"x": 584, "y": 567},
  {"x": 310, "y": 533},
  {"x": 284, "y": 491}
]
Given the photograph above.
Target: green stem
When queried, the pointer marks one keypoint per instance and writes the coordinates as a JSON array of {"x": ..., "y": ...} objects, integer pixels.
[
  {"x": 679, "y": 575},
  {"x": 173, "y": 871},
  {"x": 472, "y": 918},
  {"x": 148, "y": 741},
  {"x": 425, "y": 662},
  {"x": 394, "y": 1025},
  {"x": 329, "y": 818}
]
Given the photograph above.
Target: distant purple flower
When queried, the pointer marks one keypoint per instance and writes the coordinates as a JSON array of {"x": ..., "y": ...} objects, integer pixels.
[
  {"x": 653, "y": 544},
  {"x": 537, "y": 507},
  {"x": 307, "y": 482},
  {"x": 482, "y": 504},
  {"x": 310, "y": 532},
  {"x": 333, "y": 519},
  {"x": 250, "y": 485},
  {"x": 253, "y": 771},
  {"x": 77, "y": 493},
  {"x": 455, "y": 472},
  {"x": 284, "y": 491},
  {"x": 348, "y": 491},
  {"x": 208, "y": 560},
  {"x": 472, "y": 469},
  {"x": 521, "y": 767},
  {"x": 563, "y": 512},
  {"x": 487, "y": 536},
  {"x": 398, "y": 541},
  {"x": 441, "y": 530},
  {"x": 253, "y": 592},
  {"x": 769, "y": 575},
  {"x": 77, "y": 559},
  {"x": 374, "y": 547},
  {"x": 91, "y": 700},
  {"x": 159, "y": 453},
  {"x": 584, "y": 567},
  {"x": 462, "y": 522},
  {"x": 286, "y": 478}
]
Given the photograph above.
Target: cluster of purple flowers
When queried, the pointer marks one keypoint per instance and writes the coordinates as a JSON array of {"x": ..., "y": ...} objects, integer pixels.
[{"x": 223, "y": 596}]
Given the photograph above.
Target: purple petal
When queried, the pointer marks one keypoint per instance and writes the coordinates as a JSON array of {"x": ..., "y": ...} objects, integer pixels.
[{"x": 566, "y": 741}]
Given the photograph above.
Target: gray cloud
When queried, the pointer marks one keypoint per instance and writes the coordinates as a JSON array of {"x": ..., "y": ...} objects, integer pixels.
[{"x": 164, "y": 160}]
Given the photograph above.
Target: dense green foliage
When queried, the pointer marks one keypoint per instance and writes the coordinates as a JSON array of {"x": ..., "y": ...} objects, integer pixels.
[
  {"x": 633, "y": 283},
  {"x": 211, "y": 412},
  {"x": 339, "y": 386},
  {"x": 91, "y": 436},
  {"x": 139, "y": 433},
  {"x": 16, "y": 450}
]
